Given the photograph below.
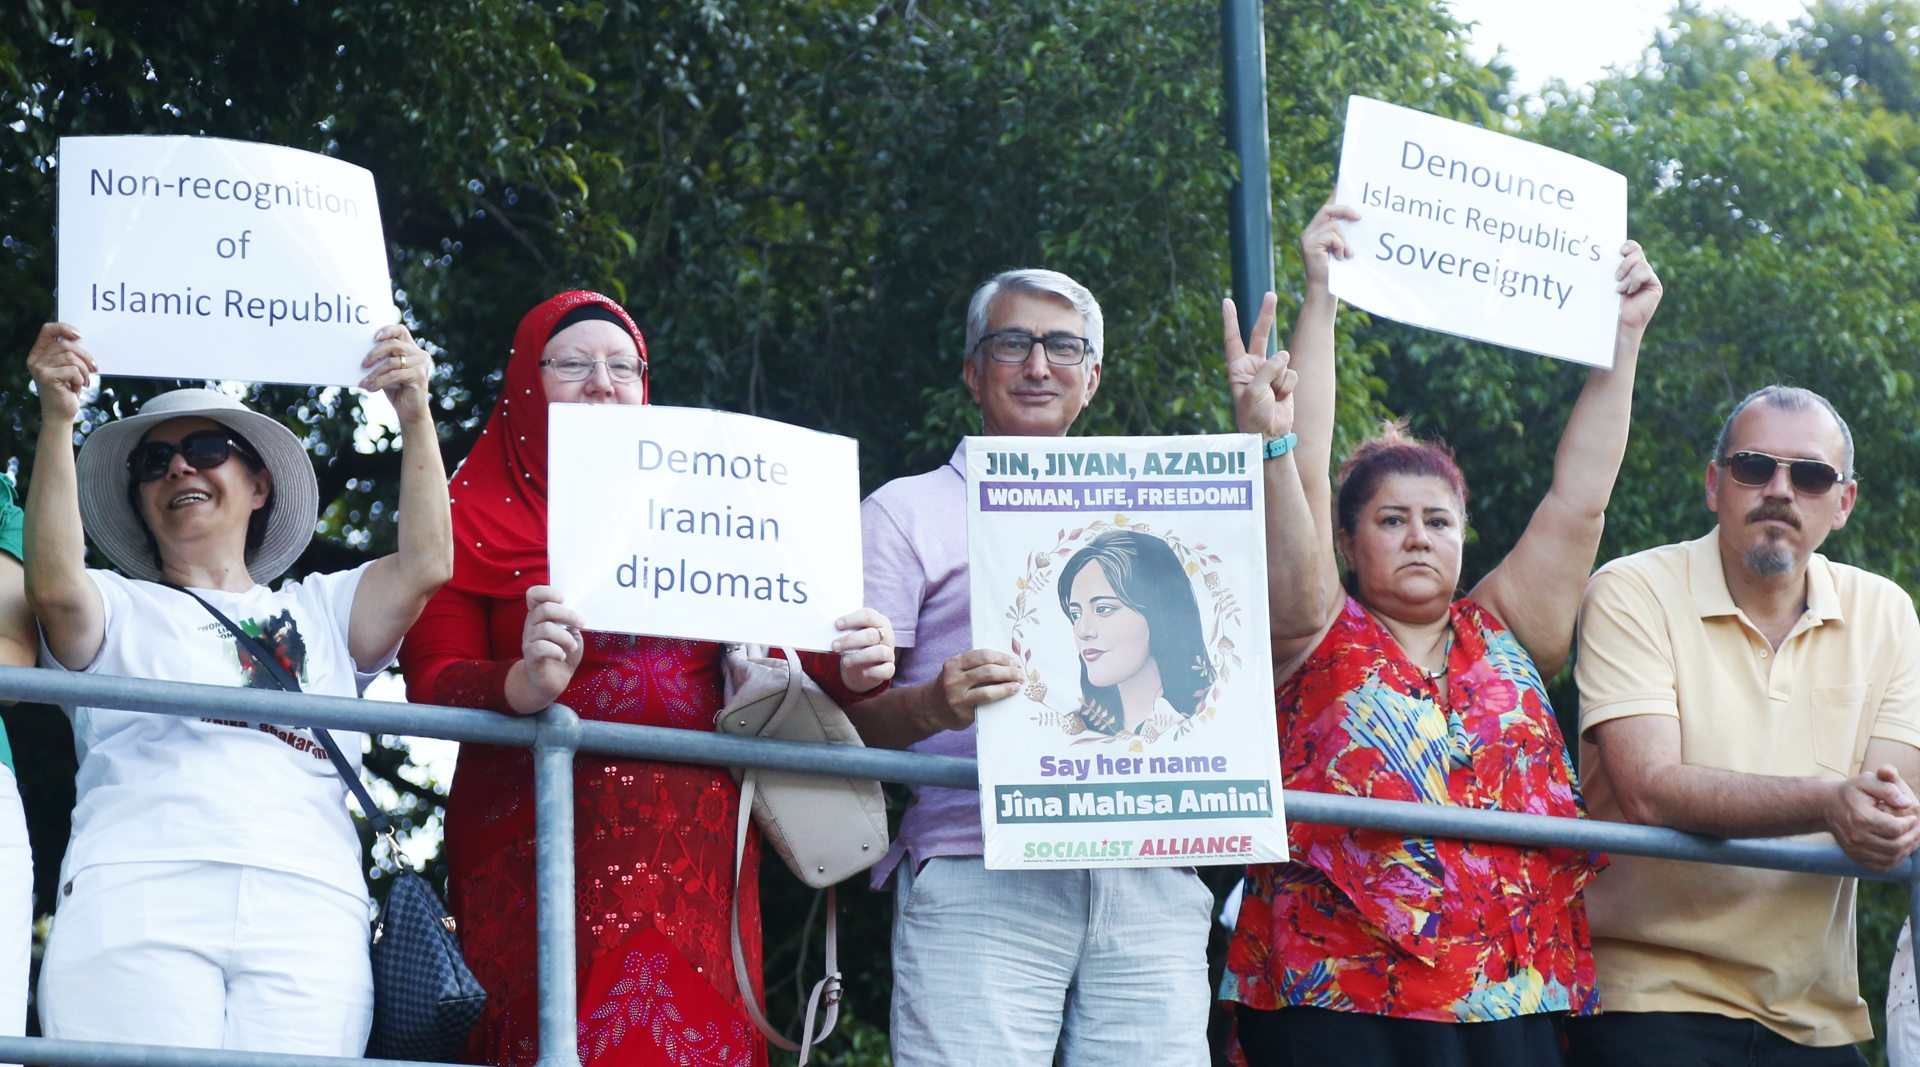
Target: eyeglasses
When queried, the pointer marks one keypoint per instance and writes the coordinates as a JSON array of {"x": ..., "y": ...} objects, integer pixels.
[
  {"x": 623, "y": 369},
  {"x": 1809, "y": 476},
  {"x": 202, "y": 449},
  {"x": 1013, "y": 346}
]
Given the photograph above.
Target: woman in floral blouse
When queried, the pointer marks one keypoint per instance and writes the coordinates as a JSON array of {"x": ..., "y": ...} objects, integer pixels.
[{"x": 1372, "y": 947}]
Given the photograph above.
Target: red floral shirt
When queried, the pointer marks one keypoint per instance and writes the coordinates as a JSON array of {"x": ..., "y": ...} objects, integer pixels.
[{"x": 1419, "y": 928}]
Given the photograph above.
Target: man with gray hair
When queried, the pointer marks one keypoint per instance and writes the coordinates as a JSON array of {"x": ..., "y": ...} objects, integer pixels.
[
  {"x": 1743, "y": 685},
  {"x": 1010, "y": 967}
]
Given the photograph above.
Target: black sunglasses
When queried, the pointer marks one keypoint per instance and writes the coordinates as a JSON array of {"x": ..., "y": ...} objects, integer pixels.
[
  {"x": 202, "y": 449},
  {"x": 1809, "y": 476}
]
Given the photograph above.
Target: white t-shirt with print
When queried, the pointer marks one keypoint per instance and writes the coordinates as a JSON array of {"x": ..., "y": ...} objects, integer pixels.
[{"x": 156, "y": 787}]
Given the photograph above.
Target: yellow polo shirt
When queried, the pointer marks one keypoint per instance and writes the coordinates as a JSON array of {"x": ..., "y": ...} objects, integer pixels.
[{"x": 1660, "y": 635}]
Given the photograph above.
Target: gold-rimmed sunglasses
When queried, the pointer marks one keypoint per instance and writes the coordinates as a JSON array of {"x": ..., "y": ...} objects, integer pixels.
[{"x": 1809, "y": 476}]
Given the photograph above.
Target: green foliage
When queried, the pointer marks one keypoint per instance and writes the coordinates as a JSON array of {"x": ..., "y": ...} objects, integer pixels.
[{"x": 1871, "y": 45}]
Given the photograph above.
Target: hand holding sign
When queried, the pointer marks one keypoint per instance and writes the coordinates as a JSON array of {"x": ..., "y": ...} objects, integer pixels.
[
  {"x": 1325, "y": 240},
  {"x": 550, "y": 650},
  {"x": 61, "y": 370},
  {"x": 402, "y": 369},
  {"x": 865, "y": 647},
  {"x": 1640, "y": 288}
]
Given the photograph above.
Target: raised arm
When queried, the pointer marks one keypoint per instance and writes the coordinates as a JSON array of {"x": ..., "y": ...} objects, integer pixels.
[
  {"x": 1536, "y": 590},
  {"x": 19, "y": 636},
  {"x": 1263, "y": 404},
  {"x": 1321, "y": 242},
  {"x": 396, "y": 587},
  {"x": 1317, "y": 601},
  {"x": 71, "y": 612}
]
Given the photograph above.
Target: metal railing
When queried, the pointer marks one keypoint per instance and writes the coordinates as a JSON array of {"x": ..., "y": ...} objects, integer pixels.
[{"x": 556, "y": 734}]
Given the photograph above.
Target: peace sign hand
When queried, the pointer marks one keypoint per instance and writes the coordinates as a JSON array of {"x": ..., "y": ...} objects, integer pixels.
[{"x": 1262, "y": 387}]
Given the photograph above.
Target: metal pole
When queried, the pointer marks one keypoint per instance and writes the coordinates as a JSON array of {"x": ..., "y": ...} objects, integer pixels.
[
  {"x": 44, "y": 1050},
  {"x": 263, "y": 705},
  {"x": 1443, "y": 820},
  {"x": 553, "y": 748},
  {"x": 804, "y": 757},
  {"x": 1243, "y": 62}
]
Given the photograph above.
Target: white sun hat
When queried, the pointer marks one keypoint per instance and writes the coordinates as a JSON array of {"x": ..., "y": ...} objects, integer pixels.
[{"x": 120, "y": 534}]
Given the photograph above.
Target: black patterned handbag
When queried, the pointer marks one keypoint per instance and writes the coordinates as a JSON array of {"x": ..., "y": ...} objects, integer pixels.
[{"x": 425, "y": 1000}]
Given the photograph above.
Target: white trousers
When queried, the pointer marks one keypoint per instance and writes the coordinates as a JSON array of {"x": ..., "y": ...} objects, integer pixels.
[
  {"x": 1903, "y": 1006},
  {"x": 16, "y": 908},
  {"x": 208, "y": 955}
]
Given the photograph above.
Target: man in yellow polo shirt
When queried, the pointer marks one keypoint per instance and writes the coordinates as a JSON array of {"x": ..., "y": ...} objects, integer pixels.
[{"x": 1742, "y": 685}]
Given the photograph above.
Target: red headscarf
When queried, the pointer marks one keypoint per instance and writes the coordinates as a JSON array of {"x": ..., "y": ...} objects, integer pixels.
[{"x": 500, "y": 491}]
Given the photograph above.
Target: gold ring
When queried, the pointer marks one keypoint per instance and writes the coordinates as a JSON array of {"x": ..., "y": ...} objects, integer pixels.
[{"x": 403, "y": 361}]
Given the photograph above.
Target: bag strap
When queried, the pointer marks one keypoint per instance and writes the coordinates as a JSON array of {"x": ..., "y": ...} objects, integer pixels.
[
  {"x": 826, "y": 992},
  {"x": 285, "y": 680}
]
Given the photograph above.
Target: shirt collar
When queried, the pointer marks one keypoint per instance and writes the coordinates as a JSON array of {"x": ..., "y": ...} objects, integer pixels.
[
  {"x": 1823, "y": 600},
  {"x": 1707, "y": 580},
  {"x": 958, "y": 462}
]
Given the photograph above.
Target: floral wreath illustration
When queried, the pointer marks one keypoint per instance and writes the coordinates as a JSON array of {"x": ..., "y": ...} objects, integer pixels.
[{"x": 1195, "y": 559}]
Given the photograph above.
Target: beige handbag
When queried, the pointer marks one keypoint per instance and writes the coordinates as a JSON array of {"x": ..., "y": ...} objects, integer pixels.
[{"x": 826, "y": 829}]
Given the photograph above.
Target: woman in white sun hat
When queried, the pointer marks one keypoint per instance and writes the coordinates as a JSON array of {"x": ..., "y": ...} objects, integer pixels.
[{"x": 212, "y": 894}]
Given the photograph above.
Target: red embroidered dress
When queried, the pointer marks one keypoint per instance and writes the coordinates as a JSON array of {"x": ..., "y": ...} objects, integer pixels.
[
  {"x": 1415, "y": 928},
  {"x": 653, "y": 850},
  {"x": 653, "y": 842}
]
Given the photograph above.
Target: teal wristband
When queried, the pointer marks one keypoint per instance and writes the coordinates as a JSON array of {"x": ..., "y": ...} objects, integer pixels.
[{"x": 1280, "y": 446}]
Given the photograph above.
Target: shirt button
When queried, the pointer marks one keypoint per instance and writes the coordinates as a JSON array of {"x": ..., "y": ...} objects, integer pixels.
[
  {"x": 1763, "y": 655},
  {"x": 67, "y": 890}
]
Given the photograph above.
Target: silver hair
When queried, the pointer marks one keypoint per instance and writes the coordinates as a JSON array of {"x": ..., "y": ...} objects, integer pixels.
[
  {"x": 1040, "y": 283},
  {"x": 1785, "y": 398}
]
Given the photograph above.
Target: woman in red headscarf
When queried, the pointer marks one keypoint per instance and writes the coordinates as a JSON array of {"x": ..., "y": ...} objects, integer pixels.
[{"x": 653, "y": 842}]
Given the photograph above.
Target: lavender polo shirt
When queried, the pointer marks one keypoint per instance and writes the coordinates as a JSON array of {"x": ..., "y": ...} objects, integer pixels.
[{"x": 915, "y": 534}]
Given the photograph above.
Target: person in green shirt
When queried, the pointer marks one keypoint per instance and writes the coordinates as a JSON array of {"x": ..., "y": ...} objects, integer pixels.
[{"x": 19, "y": 647}]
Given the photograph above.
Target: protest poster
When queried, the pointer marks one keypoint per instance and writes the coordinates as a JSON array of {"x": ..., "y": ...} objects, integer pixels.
[
  {"x": 197, "y": 257},
  {"x": 1474, "y": 233},
  {"x": 710, "y": 525},
  {"x": 1128, "y": 575}
]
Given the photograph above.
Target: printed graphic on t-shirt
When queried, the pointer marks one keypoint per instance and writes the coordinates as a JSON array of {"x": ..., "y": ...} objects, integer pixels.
[{"x": 281, "y": 636}]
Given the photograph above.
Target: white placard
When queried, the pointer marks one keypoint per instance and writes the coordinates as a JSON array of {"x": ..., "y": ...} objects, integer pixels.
[
  {"x": 196, "y": 257},
  {"x": 1475, "y": 233},
  {"x": 1128, "y": 575},
  {"x": 684, "y": 522}
]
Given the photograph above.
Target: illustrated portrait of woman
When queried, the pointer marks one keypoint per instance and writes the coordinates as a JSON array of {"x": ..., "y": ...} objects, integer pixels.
[{"x": 1136, "y": 627}]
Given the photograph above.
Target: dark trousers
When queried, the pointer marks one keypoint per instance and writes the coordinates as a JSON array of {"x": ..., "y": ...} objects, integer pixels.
[
  {"x": 1691, "y": 1039},
  {"x": 1317, "y": 1037}
]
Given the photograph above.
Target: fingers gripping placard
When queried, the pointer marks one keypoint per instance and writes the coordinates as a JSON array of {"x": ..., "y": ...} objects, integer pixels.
[
  {"x": 682, "y": 522},
  {"x": 195, "y": 257},
  {"x": 1475, "y": 233}
]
